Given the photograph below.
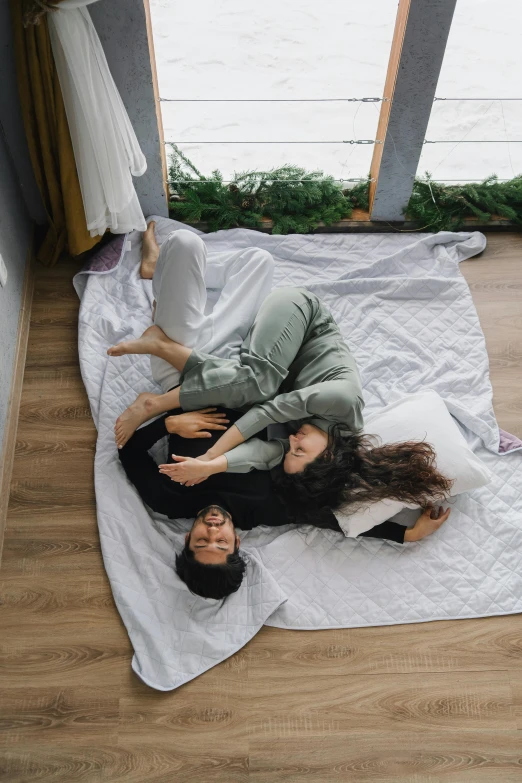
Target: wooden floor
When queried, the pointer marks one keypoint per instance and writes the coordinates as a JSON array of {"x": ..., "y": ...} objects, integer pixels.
[{"x": 430, "y": 702}]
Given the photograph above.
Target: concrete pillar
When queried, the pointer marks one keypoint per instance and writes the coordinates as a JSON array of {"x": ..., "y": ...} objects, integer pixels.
[
  {"x": 124, "y": 31},
  {"x": 419, "y": 42}
]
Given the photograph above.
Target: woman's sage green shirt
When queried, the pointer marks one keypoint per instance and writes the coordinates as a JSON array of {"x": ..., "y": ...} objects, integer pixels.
[{"x": 293, "y": 365}]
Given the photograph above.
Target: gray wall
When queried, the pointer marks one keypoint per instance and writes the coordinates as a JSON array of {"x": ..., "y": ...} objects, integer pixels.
[
  {"x": 121, "y": 26},
  {"x": 15, "y": 232},
  {"x": 11, "y": 120},
  {"x": 16, "y": 182}
]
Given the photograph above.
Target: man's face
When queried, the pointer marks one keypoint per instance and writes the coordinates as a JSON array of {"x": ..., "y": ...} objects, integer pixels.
[{"x": 213, "y": 536}]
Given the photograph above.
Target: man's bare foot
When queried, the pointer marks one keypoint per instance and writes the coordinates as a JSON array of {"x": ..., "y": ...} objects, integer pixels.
[
  {"x": 149, "y": 252},
  {"x": 142, "y": 409},
  {"x": 149, "y": 342}
]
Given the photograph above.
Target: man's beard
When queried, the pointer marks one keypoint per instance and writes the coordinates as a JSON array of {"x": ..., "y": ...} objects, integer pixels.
[{"x": 214, "y": 507}]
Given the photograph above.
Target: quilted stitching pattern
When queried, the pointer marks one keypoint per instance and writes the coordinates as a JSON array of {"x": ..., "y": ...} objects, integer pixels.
[{"x": 408, "y": 316}]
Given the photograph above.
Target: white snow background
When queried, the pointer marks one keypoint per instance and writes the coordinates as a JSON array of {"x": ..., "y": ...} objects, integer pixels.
[{"x": 332, "y": 49}]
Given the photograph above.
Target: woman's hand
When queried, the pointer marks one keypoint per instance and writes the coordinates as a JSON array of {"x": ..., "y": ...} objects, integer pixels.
[
  {"x": 206, "y": 457},
  {"x": 189, "y": 471},
  {"x": 429, "y": 521},
  {"x": 196, "y": 424}
]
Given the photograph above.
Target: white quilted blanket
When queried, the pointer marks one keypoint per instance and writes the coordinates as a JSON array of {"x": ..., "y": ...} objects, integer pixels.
[{"x": 408, "y": 316}]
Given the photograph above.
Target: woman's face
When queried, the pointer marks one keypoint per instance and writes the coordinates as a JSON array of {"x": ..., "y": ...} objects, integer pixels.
[{"x": 307, "y": 444}]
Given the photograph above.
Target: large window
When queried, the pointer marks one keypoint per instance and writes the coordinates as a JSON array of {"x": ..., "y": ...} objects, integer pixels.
[
  {"x": 272, "y": 50},
  {"x": 482, "y": 60}
]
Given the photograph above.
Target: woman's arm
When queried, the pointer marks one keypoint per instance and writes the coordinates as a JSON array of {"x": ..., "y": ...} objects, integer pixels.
[
  {"x": 228, "y": 441},
  {"x": 190, "y": 471},
  {"x": 328, "y": 402},
  {"x": 254, "y": 455}
]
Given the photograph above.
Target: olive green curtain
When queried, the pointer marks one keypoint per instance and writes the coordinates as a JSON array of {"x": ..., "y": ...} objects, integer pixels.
[{"x": 48, "y": 134}]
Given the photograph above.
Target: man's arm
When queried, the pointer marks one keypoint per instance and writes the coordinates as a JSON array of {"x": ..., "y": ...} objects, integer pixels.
[
  {"x": 326, "y": 520},
  {"x": 155, "y": 489},
  {"x": 429, "y": 521},
  {"x": 391, "y": 531}
]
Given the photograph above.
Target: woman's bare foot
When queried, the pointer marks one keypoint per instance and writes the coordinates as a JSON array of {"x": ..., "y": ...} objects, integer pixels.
[
  {"x": 141, "y": 410},
  {"x": 149, "y": 252},
  {"x": 149, "y": 342}
]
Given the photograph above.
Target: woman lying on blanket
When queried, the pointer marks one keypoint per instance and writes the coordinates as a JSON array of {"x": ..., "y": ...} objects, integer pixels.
[
  {"x": 278, "y": 356},
  {"x": 211, "y": 563}
]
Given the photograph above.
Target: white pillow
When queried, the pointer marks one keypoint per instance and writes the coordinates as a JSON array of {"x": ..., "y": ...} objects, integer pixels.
[{"x": 421, "y": 416}]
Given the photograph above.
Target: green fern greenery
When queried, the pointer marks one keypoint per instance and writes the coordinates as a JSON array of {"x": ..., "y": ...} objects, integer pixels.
[
  {"x": 300, "y": 207},
  {"x": 442, "y": 207}
]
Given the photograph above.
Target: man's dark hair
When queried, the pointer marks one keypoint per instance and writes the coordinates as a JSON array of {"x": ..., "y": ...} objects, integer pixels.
[{"x": 210, "y": 580}]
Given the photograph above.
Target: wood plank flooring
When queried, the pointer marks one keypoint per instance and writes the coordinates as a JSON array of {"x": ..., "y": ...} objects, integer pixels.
[{"x": 429, "y": 703}]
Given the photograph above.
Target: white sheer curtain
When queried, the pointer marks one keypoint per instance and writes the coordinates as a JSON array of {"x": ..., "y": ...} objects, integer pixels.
[{"x": 105, "y": 146}]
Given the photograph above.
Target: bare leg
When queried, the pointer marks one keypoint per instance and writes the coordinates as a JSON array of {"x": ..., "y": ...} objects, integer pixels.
[
  {"x": 145, "y": 407},
  {"x": 154, "y": 341},
  {"x": 178, "y": 287},
  {"x": 149, "y": 252}
]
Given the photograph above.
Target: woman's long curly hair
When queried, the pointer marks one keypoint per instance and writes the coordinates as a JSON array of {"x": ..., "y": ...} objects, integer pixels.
[{"x": 354, "y": 470}]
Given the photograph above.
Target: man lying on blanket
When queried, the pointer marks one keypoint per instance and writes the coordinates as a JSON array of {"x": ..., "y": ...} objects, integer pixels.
[{"x": 210, "y": 563}]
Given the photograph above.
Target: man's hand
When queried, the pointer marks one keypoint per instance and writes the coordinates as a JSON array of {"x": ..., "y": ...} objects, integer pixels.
[
  {"x": 196, "y": 424},
  {"x": 188, "y": 471},
  {"x": 429, "y": 521}
]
